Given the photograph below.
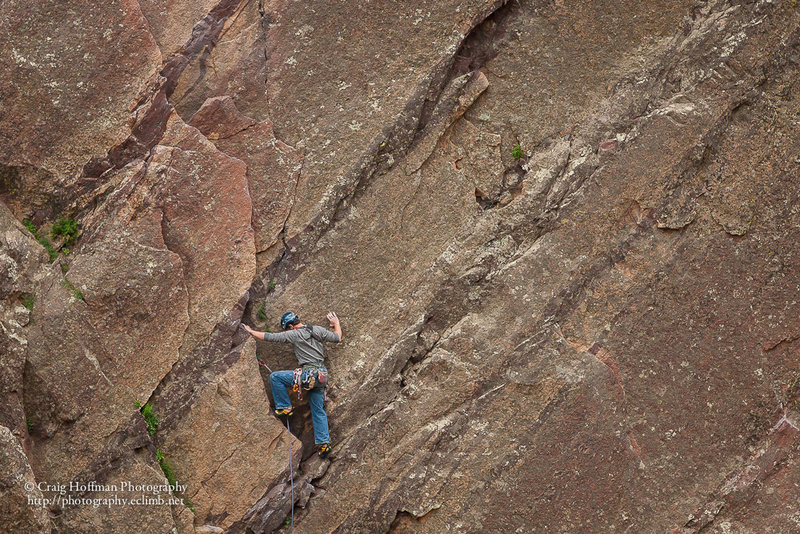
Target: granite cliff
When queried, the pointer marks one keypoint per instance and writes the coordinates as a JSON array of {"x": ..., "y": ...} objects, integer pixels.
[{"x": 562, "y": 237}]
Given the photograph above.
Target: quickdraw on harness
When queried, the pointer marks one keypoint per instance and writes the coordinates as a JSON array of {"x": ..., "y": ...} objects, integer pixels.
[
  {"x": 313, "y": 377},
  {"x": 297, "y": 382},
  {"x": 262, "y": 364}
]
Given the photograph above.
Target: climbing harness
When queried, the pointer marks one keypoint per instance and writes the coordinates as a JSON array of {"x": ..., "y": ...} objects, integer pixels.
[
  {"x": 291, "y": 469},
  {"x": 314, "y": 375}
]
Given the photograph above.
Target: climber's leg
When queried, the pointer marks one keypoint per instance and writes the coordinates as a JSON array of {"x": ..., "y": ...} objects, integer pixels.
[
  {"x": 316, "y": 399},
  {"x": 280, "y": 380}
]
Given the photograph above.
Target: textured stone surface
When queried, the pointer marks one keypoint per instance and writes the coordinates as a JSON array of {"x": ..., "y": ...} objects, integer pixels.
[
  {"x": 18, "y": 489},
  {"x": 207, "y": 210},
  {"x": 171, "y": 21},
  {"x": 127, "y": 457},
  {"x": 226, "y": 55},
  {"x": 273, "y": 167},
  {"x": 595, "y": 333},
  {"x": 72, "y": 74},
  {"x": 155, "y": 518},
  {"x": 383, "y": 75},
  {"x": 21, "y": 258},
  {"x": 229, "y": 448},
  {"x": 113, "y": 342},
  {"x": 329, "y": 86}
]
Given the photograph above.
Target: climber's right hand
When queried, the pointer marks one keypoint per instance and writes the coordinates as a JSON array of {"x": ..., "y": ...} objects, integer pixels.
[{"x": 334, "y": 320}]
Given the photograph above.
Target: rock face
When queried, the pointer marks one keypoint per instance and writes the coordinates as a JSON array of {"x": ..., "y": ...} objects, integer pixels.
[
  {"x": 72, "y": 76},
  {"x": 228, "y": 445},
  {"x": 21, "y": 506},
  {"x": 273, "y": 167},
  {"x": 21, "y": 259},
  {"x": 562, "y": 238}
]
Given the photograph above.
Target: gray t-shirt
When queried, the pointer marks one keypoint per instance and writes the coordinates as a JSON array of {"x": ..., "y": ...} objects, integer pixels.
[{"x": 307, "y": 348}]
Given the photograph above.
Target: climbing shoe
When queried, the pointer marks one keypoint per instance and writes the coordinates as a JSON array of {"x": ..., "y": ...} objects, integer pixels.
[
  {"x": 323, "y": 449},
  {"x": 284, "y": 412}
]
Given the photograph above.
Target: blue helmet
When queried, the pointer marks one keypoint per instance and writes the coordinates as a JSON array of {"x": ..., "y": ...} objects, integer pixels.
[{"x": 287, "y": 319}]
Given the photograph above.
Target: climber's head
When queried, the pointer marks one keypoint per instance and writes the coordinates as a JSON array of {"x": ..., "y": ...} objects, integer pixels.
[{"x": 288, "y": 319}]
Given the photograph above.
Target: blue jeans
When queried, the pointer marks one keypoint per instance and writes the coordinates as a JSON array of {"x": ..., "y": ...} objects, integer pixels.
[{"x": 280, "y": 380}]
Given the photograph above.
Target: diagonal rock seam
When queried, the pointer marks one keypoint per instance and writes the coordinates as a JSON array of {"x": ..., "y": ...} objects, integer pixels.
[
  {"x": 204, "y": 37},
  {"x": 152, "y": 111},
  {"x": 768, "y": 457}
]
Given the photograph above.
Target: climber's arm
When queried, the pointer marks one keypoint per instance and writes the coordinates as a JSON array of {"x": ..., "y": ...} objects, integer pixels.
[{"x": 268, "y": 336}]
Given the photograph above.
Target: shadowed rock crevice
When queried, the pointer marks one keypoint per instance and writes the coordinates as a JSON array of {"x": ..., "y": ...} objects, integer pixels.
[
  {"x": 205, "y": 36},
  {"x": 770, "y": 460},
  {"x": 24, "y": 191},
  {"x": 217, "y": 353},
  {"x": 151, "y": 115},
  {"x": 481, "y": 43},
  {"x": 406, "y": 522},
  {"x": 485, "y": 41}
]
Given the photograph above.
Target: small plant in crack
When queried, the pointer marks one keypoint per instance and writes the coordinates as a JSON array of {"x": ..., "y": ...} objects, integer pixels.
[
  {"x": 77, "y": 292},
  {"x": 51, "y": 252},
  {"x": 149, "y": 417},
  {"x": 166, "y": 467},
  {"x": 65, "y": 227},
  {"x": 171, "y": 475},
  {"x": 31, "y": 227},
  {"x": 793, "y": 393},
  {"x": 518, "y": 153}
]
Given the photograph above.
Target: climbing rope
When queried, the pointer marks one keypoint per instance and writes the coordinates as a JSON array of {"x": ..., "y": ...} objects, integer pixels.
[{"x": 291, "y": 469}]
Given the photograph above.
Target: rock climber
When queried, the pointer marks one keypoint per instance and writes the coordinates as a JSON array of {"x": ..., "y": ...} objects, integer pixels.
[{"x": 312, "y": 374}]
